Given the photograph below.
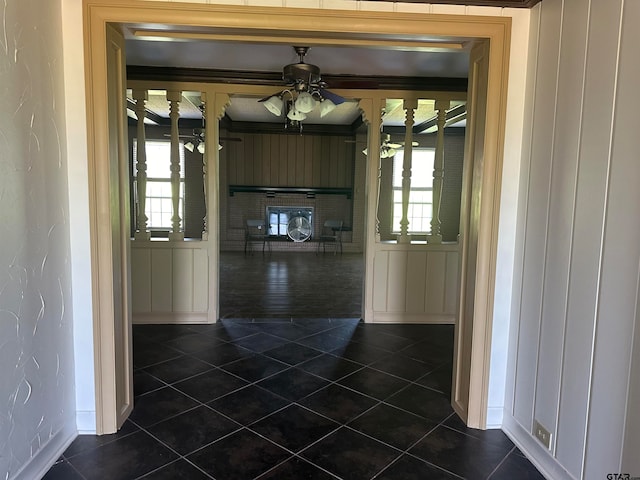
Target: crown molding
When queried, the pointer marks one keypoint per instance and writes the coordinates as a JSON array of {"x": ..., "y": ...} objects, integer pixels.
[{"x": 480, "y": 3}]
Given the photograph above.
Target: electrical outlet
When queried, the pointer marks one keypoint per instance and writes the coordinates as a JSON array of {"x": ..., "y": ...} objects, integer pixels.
[{"x": 542, "y": 434}]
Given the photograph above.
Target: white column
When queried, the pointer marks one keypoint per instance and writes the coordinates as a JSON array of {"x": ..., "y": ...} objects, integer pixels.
[
  {"x": 141, "y": 96},
  {"x": 410, "y": 106},
  {"x": 438, "y": 172},
  {"x": 174, "y": 114}
]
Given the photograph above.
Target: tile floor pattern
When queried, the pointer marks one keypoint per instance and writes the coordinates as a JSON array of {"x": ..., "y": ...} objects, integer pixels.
[{"x": 293, "y": 399}]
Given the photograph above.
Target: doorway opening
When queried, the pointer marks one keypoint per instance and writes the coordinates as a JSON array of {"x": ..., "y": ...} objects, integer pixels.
[{"x": 483, "y": 247}]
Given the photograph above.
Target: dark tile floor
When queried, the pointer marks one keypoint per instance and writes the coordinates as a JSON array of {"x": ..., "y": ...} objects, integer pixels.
[{"x": 293, "y": 399}]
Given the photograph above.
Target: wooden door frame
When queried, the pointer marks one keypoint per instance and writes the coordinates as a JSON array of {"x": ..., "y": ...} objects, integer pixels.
[{"x": 313, "y": 26}]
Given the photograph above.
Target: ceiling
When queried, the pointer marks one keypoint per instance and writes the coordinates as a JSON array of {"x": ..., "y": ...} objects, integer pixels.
[
  {"x": 340, "y": 67},
  {"x": 158, "y": 51}
]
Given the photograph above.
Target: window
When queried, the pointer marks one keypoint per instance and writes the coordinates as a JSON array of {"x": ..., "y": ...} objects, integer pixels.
[
  {"x": 158, "y": 206},
  {"x": 420, "y": 209}
]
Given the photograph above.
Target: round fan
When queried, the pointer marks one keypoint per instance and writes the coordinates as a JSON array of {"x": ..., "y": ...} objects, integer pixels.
[{"x": 299, "y": 229}]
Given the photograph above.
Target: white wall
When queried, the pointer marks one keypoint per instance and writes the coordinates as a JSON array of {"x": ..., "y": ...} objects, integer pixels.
[
  {"x": 37, "y": 407},
  {"x": 573, "y": 324},
  {"x": 76, "y": 131}
]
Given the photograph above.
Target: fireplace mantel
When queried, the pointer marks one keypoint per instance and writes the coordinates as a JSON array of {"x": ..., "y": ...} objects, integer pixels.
[{"x": 309, "y": 191}]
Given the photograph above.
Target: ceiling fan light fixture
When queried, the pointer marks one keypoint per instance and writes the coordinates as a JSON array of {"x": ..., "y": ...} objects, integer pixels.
[
  {"x": 189, "y": 146},
  {"x": 326, "y": 107},
  {"x": 200, "y": 148},
  {"x": 305, "y": 93},
  {"x": 274, "y": 105}
]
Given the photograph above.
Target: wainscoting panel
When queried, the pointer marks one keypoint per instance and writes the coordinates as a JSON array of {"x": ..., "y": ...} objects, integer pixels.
[
  {"x": 161, "y": 280},
  {"x": 416, "y": 283},
  {"x": 141, "y": 280},
  {"x": 182, "y": 278},
  {"x": 200, "y": 280},
  {"x": 170, "y": 282}
]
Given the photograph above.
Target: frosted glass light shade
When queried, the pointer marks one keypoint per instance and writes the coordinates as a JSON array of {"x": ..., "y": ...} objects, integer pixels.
[
  {"x": 387, "y": 152},
  {"x": 189, "y": 146},
  {"x": 296, "y": 115},
  {"x": 326, "y": 106},
  {"x": 305, "y": 102},
  {"x": 274, "y": 105}
]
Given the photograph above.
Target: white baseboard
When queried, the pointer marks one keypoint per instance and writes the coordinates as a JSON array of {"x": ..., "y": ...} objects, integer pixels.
[
  {"x": 533, "y": 450},
  {"x": 494, "y": 417},
  {"x": 40, "y": 464},
  {"x": 170, "y": 317},
  {"x": 385, "y": 317},
  {"x": 86, "y": 422}
]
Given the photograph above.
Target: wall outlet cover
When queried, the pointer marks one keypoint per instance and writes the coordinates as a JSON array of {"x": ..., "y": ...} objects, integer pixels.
[{"x": 542, "y": 434}]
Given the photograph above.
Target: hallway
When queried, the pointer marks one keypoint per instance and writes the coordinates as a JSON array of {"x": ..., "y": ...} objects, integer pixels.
[{"x": 293, "y": 399}]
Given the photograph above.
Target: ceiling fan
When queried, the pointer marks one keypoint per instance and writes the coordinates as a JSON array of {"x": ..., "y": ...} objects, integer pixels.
[
  {"x": 195, "y": 141},
  {"x": 306, "y": 91},
  {"x": 388, "y": 148}
]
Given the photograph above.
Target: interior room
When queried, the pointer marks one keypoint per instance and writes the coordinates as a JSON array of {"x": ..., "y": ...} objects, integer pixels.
[{"x": 522, "y": 363}]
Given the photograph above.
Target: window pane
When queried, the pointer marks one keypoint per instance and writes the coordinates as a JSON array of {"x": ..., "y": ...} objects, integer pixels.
[
  {"x": 420, "y": 208},
  {"x": 420, "y": 196},
  {"x": 159, "y": 206},
  {"x": 159, "y": 158},
  {"x": 421, "y": 168}
]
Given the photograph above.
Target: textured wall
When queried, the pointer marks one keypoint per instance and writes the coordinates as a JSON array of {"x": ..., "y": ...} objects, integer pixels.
[{"x": 36, "y": 352}]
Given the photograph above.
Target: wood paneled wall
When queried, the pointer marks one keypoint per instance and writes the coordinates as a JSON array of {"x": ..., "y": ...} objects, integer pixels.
[
  {"x": 572, "y": 334},
  {"x": 276, "y": 160}
]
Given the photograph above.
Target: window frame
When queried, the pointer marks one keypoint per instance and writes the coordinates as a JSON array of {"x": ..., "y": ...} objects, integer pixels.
[{"x": 160, "y": 180}]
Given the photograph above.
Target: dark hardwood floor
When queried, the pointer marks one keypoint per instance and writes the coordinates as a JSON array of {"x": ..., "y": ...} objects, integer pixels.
[{"x": 291, "y": 285}]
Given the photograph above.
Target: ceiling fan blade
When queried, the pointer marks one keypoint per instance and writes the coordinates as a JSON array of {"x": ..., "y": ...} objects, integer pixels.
[
  {"x": 336, "y": 99},
  {"x": 168, "y": 135}
]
